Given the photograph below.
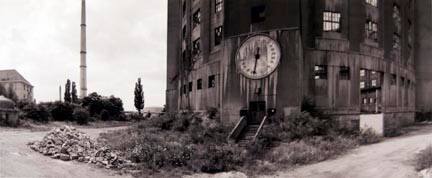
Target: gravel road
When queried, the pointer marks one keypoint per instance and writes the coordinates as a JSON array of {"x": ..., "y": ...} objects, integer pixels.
[
  {"x": 17, "y": 160},
  {"x": 391, "y": 158}
]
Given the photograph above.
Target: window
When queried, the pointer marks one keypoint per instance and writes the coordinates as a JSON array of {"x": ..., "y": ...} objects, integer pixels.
[
  {"x": 199, "y": 84},
  {"x": 372, "y": 2},
  {"x": 365, "y": 100},
  {"x": 362, "y": 85},
  {"x": 402, "y": 82},
  {"x": 258, "y": 14},
  {"x": 184, "y": 89},
  {"x": 196, "y": 47},
  {"x": 190, "y": 86},
  {"x": 184, "y": 7},
  {"x": 218, "y": 35},
  {"x": 344, "y": 73},
  {"x": 397, "y": 18},
  {"x": 362, "y": 73},
  {"x": 196, "y": 18},
  {"x": 320, "y": 72},
  {"x": 212, "y": 81},
  {"x": 393, "y": 79},
  {"x": 396, "y": 41},
  {"x": 371, "y": 30},
  {"x": 331, "y": 21},
  {"x": 374, "y": 83},
  {"x": 218, "y": 5}
]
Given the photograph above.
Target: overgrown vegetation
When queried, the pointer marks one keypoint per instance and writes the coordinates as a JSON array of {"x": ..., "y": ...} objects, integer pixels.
[
  {"x": 91, "y": 108},
  {"x": 424, "y": 159}
]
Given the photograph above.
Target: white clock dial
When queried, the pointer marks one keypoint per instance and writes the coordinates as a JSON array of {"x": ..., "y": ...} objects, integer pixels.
[{"x": 258, "y": 57}]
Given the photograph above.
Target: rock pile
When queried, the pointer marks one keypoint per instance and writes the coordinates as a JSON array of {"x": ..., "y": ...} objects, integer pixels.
[{"x": 67, "y": 143}]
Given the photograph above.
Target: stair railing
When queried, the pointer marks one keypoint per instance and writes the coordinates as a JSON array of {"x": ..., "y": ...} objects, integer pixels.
[
  {"x": 260, "y": 128},
  {"x": 235, "y": 133}
]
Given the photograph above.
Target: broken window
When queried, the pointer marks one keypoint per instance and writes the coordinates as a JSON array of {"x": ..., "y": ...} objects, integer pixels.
[
  {"x": 212, "y": 81},
  {"x": 362, "y": 73},
  {"x": 344, "y": 73},
  {"x": 190, "y": 86},
  {"x": 218, "y": 5},
  {"x": 396, "y": 41},
  {"x": 196, "y": 47},
  {"x": 320, "y": 72},
  {"x": 196, "y": 18},
  {"x": 331, "y": 21},
  {"x": 218, "y": 35},
  {"x": 199, "y": 84},
  {"x": 258, "y": 14},
  {"x": 372, "y": 2},
  {"x": 371, "y": 30}
]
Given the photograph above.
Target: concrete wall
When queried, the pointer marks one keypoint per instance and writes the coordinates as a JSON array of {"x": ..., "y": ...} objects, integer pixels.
[{"x": 423, "y": 54}]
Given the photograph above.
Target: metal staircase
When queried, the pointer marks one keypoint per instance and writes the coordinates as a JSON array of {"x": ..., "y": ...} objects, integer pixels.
[{"x": 246, "y": 131}]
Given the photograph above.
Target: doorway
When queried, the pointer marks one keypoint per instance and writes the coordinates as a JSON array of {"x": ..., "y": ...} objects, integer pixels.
[{"x": 257, "y": 111}]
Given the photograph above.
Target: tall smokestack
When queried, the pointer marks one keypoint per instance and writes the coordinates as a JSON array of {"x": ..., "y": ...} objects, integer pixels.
[{"x": 83, "y": 66}]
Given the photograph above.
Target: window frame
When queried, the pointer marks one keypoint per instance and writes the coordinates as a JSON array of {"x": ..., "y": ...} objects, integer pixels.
[
  {"x": 218, "y": 6},
  {"x": 331, "y": 21},
  {"x": 320, "y": 72},
  {"x": 212, "y": 81},
  {"x": 218, "y": 38}
]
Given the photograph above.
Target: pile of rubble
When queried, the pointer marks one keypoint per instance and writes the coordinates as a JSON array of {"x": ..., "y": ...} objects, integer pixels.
[{"x": 67, "y": 143}]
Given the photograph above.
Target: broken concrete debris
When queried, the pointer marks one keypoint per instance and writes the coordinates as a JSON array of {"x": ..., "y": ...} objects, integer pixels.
[{"x": 67, "y": 143}]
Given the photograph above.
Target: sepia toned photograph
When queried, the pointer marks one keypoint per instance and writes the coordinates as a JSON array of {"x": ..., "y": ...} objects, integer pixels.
[{"x": 216, "y": 89}]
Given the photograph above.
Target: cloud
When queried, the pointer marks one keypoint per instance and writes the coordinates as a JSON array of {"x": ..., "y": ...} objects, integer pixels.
[{"x": 125, "y": 40}]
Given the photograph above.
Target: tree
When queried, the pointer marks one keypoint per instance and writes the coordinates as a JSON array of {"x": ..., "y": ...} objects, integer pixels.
[
  {"x": 67, "y": 94},
  {"x": 74, "y": 93},
  {"x": 139, "y": 96}
]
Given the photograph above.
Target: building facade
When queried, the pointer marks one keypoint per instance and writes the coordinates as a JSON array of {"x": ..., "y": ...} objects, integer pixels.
[
  {"x": 348, "y": 57},
  {"x": 12, "y": 80}
]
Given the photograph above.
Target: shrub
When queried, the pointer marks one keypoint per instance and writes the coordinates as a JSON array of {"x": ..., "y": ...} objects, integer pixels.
[
  {"x": 423, "y": 116},
  {"x": 300, "y": 125},
  {"x": 96, "y": 104},
  {"x": 81, "y": 116},
  {"x": 38, "y": 113},
  {"x": 424, "y": 159},
  {"x": 213, "y": 159},
  {"x": 104, "y": 115},
  {"x": 62, "y": 111},
  {"x": 368, "y": 136}
]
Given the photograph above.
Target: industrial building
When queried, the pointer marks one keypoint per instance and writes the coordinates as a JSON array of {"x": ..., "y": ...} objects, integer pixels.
[{"x": 351, "y": 58}]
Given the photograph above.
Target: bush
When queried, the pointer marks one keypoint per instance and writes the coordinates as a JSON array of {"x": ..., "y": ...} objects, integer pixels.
[
  {"x": 97, "y": 104},
  {"x": 424, "y": 159},
  {"x": 62, "y": 111},
  {"x": 38, "y": 113},
  {"x": 214, "y": 159},
  {"x": 423, "y": 116},
  {"x": 368, "y": 136},
  {"x": 81, "y": 116}
]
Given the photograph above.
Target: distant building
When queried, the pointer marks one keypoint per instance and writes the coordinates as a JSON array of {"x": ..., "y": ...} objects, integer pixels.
[
  {"x": 11, "y": 79},
  {"x": 351, "y": 58}
]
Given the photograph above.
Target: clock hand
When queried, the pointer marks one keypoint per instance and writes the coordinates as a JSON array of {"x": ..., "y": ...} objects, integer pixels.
[{"x": 257, "y": 56}]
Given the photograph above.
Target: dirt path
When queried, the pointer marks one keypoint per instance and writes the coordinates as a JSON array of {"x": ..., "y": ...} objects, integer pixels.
[
  {"x": 391, "y": 158},
  {"x": 17, "y": 160}
]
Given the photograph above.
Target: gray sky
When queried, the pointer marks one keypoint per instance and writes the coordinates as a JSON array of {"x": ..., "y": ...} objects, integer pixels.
[{"x": 126, "y": 39}]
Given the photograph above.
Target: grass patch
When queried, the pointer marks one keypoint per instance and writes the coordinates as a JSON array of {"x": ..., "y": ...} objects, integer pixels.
[{"x": 424, "y": 159}]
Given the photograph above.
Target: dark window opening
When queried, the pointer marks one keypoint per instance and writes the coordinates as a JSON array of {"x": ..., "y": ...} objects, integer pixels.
[
  {"x": 199, "y": 84},
  {"x": 331, "y": 21},
  {"x": 184, "y": 32},
  {"x": 184, "y": 7},
  {"x": 190, "y": 86},
  {"x": 344, "y": 73},
  {"x": 258, "y": 14},
  {"x": 320, "y": 72},
  {"x": 184, "y": 89},
  {"x": 218, "y": 35},
  {"x": 212, "y": 81},
  {"x": 218, "y": 5},
  {"x": 196, "y": 18}
]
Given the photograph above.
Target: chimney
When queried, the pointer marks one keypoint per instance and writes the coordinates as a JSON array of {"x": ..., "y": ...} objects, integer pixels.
[{"x": 83, "y": 66}]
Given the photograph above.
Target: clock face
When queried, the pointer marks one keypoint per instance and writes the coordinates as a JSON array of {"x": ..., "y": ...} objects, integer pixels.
[{"x": 258, "y": 57}]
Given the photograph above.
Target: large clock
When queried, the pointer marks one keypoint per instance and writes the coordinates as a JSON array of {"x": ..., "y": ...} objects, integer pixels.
[{"x": 258, "y": 57}]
